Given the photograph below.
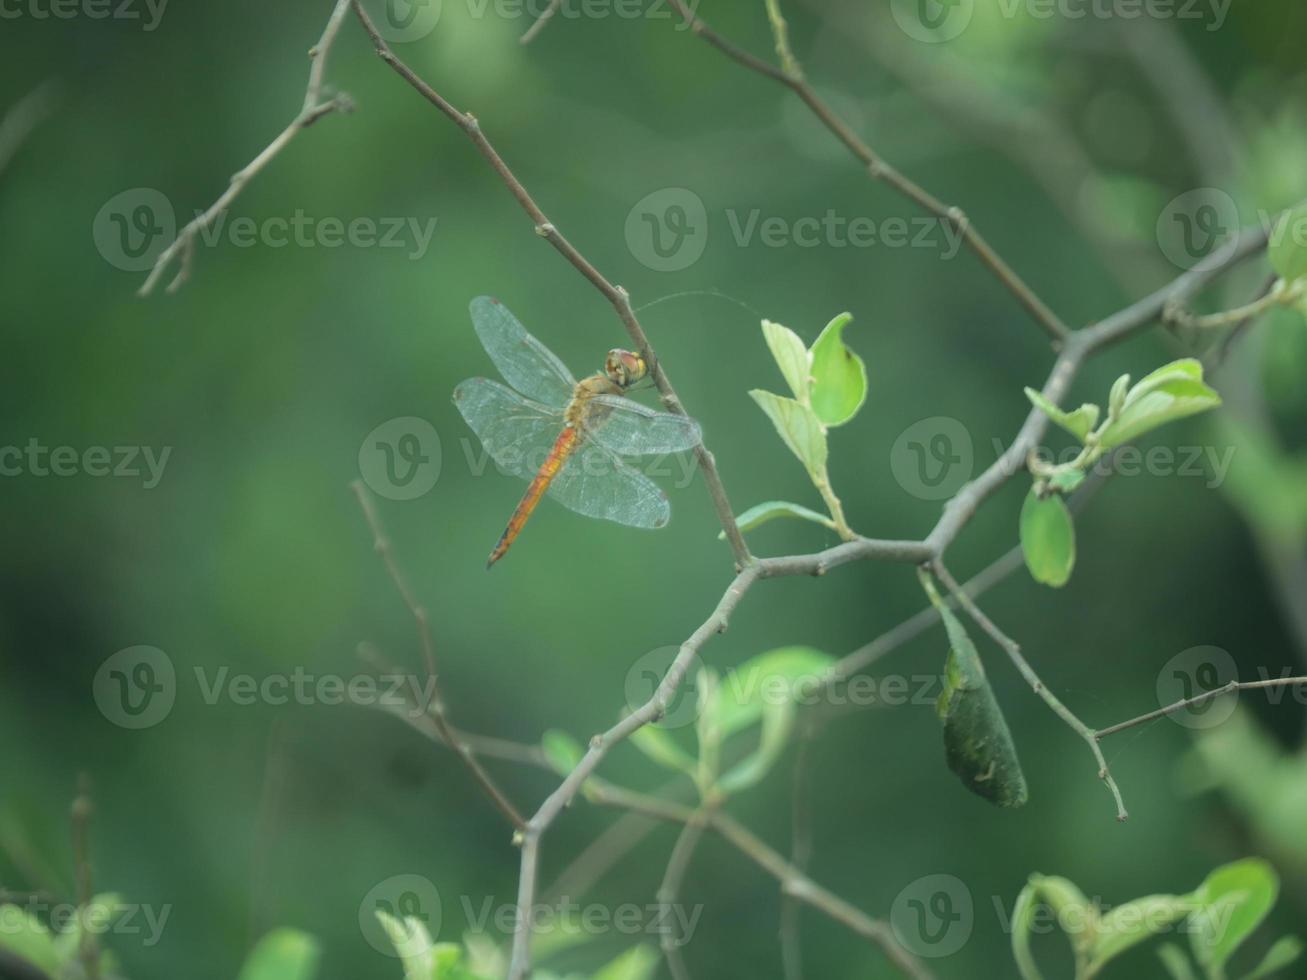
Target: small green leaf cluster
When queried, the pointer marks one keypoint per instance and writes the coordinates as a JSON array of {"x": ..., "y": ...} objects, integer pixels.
[
  {"x": 1288, "y": 254},
  {"x": 1218, "y": 916},
  {"x": 59, "y": 954},
  {"x": 1047, "y": 532},
  {"x": 828, "y": 382},
  {"x": 478, "y": 958},
  {"x": 758, "y": 699}
]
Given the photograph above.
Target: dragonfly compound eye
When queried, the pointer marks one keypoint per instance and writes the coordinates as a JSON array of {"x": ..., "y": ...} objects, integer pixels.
[{"x": 625, "y": 367}]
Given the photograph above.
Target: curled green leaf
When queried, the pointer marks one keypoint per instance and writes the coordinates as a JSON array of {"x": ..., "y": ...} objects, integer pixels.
[
  {"x": 1079, "y": 423},
  {"x": 839, "y": 376}
]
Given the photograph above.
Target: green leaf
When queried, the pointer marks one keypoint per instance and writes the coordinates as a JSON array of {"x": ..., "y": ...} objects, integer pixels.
[
  {"x": 1285, "y": 951},
  {"x": 1288, "y": 249},
  {"x": 775, "y": 677},
  {"x": 24, "y": 935},
  {"x": 977, "y": 742},
  {"x": 798, "y": 426},
  {"x": 791, "y": 357},
  {"x": 97, "y": 915},
  {"x": 637, "y": 963},
  {"x": 777, "y": 720},
  {"x": 1236, "y": 898},
  {"x": 772, "y": 509},
  {"x": 659, "y": 746},
  {"x": 1066, "y": 481},
  {"x": 839, "y": 377},
  {"x": 1172, "y": 392},
  {"x": 1079, "y": 423},
  {"x": 1023, "y": 916},
  {"x": 1070, "y": 907},
  {"x": 413, "y": 945},
  {"x": 283, "y": 954},
  {"x": 561, "y": 750},
  {"x": 1048, "y": 539},
  {"x": 1130, "y": 924},
  {"x": 1176, "y": 963}
]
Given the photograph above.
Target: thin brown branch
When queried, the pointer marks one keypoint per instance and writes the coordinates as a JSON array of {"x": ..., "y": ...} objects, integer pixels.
[
  {"x": 879, "y": 169},
  {"x": 88, "y": 950},
  {"x": 669, "y": 892},
  {"x": 435, "y": 709},
  {"x": 183, "y": 246},
  {"x": 793, "y": 881},
  {"x": 22, "y": 118},
  {"x": 1231, "y": 688},
  {"x": 617, "y": 297},
  {"x": 800, "y": 855},
  {"x": 545, "y": 17}
]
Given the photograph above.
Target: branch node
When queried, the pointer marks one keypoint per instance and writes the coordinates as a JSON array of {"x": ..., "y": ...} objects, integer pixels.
[{"x": 545, "y": 229}]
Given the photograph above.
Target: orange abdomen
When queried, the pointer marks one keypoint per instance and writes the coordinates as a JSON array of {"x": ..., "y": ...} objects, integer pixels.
[{"x": 563, "y": 448}]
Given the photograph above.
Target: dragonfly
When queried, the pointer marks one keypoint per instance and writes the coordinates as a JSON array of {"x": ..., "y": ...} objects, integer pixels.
[{"x": 567, "y": 437}]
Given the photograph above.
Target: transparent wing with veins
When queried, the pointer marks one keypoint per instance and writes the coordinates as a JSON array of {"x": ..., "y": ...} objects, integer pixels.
[
  {"x": 517, "y": 432},
  {"x": 596, "y": 483},
  {"x": 519, "y": 435},
  {"x": 526, "y": 364},
  {"x": 628, "y": 428}
]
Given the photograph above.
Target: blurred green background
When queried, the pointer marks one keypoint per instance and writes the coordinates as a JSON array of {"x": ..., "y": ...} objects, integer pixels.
[{"x": 1065, "y": 139}]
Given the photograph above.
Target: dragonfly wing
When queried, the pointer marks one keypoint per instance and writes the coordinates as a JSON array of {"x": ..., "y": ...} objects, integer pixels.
[
  {"x": 526, "y": 364},
  {"x": 594, "y": 482},
  {"x": 517, "y": 433},
  {"x": 631, "y": 429}
]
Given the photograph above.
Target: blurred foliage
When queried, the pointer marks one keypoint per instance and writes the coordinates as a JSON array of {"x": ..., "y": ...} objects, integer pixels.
[{"x": 267, "y": 370}]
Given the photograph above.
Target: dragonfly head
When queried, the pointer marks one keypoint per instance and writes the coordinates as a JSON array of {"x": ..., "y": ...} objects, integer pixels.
[{"x": 624, "y": 368}]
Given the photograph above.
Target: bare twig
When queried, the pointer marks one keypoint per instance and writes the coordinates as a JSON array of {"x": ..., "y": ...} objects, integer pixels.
[
  {"x": 23, "y": 117},
  {"x": 793, "y": 881},
  {"x": 669, "y": 892},
  {"x": 313, "y": 109},
  {"x": 435, "y": 709},
  {"x": 800, "y": 855},
  {"x": 1197, "y": 699},
  {"x": 545, "y": 17},
  {"x": 877, "y": 167},
  {"x": 88, "y": 950},
  {"x": 1013, "y": 650}
]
